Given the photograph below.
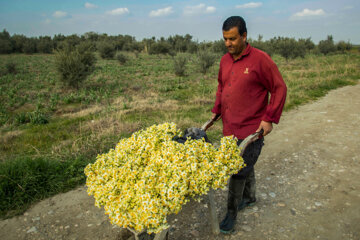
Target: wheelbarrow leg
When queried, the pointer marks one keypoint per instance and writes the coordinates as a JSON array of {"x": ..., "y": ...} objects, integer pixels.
[{"x": 213, "y": 216}]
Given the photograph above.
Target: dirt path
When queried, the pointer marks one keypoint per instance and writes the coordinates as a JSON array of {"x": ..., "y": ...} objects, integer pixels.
[{"x": 308, "y": 187}]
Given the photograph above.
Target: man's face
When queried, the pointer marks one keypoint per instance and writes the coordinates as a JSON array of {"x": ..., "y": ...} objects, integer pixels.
[{"x": 234, "y": 42}]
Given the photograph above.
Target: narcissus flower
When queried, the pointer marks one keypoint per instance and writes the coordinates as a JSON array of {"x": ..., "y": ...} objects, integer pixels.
[{"x": 149, "y": 176}]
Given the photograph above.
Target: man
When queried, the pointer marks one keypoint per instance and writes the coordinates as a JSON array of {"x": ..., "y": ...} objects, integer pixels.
[{"x": 246, "y": 77}]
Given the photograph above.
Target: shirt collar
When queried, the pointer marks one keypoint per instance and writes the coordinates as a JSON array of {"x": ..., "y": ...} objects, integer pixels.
[{"x": 245, "y": 53}]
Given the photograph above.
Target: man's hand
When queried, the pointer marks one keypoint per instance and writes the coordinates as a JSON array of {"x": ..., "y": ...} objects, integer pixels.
[
  {"x": 267, "y": 126},
  {"x": 215, "y": 116}
]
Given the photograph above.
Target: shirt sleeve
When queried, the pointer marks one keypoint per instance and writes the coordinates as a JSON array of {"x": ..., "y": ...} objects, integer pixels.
[
  {"x": 275, "y": 84},
  {"x": 217, "y": 106}
]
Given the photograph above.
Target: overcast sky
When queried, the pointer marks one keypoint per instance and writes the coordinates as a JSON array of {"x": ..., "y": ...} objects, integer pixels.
[{"x": 202, "y": 19}]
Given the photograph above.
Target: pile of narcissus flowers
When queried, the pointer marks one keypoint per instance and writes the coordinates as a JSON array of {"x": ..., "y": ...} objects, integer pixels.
[{"x": 149, "y": 176}]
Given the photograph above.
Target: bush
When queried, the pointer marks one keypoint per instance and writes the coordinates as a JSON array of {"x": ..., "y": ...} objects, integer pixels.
[
  {"x": 327, "y": 46},
  {"x": 219, "y": 47},
  {"x": 343, "y": 46},
  {"x": 106, "y": 50},
  {"x": 290, "y": 48},
  {"x": 121, "y": 58},
  {"x": 160, "y": 48},
  {"x": 5, "y": 46},
  {"x": 74, "y": 65},
  {"x": 29, "y": 46},
  {"x": 206, "y": 60},
  {"x": 266, "y": 46},
  {"x": 180, "y": 64},
  {"x": 45, "y": 45},
  {"x": 192, "y": 48},
  {"x": 10, "y": 68}
]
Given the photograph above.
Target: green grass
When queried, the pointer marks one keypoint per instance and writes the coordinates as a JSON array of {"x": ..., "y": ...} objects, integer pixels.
[
  {"x": 25, "y": 180},
  {"x": 39, "y": 159}
]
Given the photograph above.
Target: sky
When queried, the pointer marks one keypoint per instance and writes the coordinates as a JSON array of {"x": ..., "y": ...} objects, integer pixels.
[{"x": 201, "y": 19}]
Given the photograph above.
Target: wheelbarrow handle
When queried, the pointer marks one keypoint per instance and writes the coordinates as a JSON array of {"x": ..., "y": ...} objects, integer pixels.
[
  {"x": 210, "y": 122},
  {"x": 249, "y": 139}
]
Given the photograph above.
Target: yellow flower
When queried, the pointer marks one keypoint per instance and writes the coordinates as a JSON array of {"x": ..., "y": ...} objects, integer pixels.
[{"x": 149, "y": 176}]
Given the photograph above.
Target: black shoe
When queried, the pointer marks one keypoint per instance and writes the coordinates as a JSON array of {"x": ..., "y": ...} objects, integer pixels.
[
  {"x": 246, "y": 203},
  {"x": 227, "y": 225}
]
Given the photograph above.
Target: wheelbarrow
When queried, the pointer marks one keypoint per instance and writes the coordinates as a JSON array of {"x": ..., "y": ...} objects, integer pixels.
[{"x": 163, "y": 235}]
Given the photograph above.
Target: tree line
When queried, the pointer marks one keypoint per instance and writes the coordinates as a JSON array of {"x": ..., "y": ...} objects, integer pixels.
[{"x": 108, "y": 45}]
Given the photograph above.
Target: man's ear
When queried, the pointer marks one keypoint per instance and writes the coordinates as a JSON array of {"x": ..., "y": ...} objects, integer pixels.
[{"x": 245, "y": 36}]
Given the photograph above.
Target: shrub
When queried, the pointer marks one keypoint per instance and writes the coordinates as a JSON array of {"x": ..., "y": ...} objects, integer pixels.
[
  {"x": 192, "y": 48},
  {"x": 18, "y": 42},
  {"x": 29, "y": 46},
  {"x": 106, "y": 50},
  {"x": 160, "y": 48},
  {"x": 266, "y": 46},
  {"x": 45, "y": 45},
  {"x": 342, "y": 46},
  {"x": 206, "y": 60},
  {"x": 219, "y": 47},
  {"x": 180, "y": 64},
  {"x": 290, "y": 48},
  {"x": 86, "y": 46},
  {"x": 327, "y": 46},
  {"x": 10, "y": 68},
  {"x": 121, "y": 58},
  {"x": 74, "y": 65},
  {"x": 5, "y": 46}
]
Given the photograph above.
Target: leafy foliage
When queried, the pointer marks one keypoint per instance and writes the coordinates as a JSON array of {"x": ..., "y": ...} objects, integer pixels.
[
  {"x": 10, "y": 67},
  {"x": 180, "y": 61},
  {"x": 74, "y": 65},
  {"x": 327, "y": 46},
  {"x": 161, "y": 47},
  {"x": 122, "y": 58},
  {"x": 106, "y": 50},
  {"x": 206, "y": 60}
]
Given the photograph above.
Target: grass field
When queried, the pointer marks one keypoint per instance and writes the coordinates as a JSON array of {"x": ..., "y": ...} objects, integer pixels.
[{"x": 49, "y": 133}]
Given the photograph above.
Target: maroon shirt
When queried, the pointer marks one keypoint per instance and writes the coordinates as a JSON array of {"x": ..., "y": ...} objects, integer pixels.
[{"x": 242, "y": 94}]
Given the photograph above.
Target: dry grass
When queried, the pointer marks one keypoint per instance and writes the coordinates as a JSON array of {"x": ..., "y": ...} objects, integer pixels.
[
  {"x": 83, "y": 112},
  {"x": 9, "y": 136}
]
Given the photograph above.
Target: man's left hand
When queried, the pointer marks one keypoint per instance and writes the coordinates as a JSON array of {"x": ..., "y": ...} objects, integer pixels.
[{"x": 267, "y": 126}]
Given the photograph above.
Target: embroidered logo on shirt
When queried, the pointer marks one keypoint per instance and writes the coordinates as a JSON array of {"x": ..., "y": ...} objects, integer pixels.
[{"x": 246, "y": 71}]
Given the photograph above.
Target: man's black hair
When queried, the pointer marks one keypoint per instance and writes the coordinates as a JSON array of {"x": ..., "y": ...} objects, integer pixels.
[{"x": 235, "y": 21}]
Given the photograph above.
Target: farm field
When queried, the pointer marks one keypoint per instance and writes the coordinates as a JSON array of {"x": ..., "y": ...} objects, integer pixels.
[{"x": 49, "y": 133}]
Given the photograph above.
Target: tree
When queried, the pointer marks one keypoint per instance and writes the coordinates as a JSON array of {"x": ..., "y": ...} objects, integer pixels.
[
  {"x": 29, "y": 46},
  {"x": 343, "y": 46},
  {"x": 327, "y": 46},
  {"x": 45, "y": 45},
  {"x": 5, "y": 43},
  {"x": 18, "y": 42},
  {"x": 289, "y": 48}
]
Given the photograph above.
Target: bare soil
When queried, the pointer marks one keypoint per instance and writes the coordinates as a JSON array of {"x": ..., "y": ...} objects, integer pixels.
[{"x": 308, "y": 187}]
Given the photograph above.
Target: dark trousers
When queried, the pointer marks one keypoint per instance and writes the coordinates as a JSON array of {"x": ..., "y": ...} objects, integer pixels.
[{"x": 242, "y": 184}]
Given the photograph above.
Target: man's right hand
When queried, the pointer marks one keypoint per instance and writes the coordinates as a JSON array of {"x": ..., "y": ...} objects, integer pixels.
[{"x": 215, "y": 117}]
